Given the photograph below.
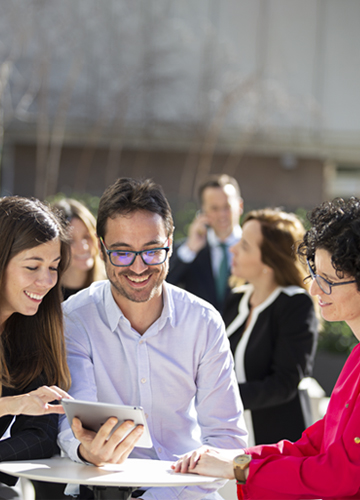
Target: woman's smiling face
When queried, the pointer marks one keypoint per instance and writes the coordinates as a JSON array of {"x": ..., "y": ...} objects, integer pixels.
[
  {"x": 28, "y": 278},
  {"x": 343, "y": 304},
  {"x": 83, "y": 248}
]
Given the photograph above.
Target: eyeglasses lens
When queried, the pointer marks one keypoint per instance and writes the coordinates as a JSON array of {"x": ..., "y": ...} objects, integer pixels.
[
  {"x": 323, "y": 285},
  {"x": 121, "y": 258},
  {"x": 151, "y": 257}
]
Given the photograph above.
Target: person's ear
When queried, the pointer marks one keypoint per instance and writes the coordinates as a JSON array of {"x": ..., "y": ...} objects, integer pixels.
[{"x": 170, "y": 245}]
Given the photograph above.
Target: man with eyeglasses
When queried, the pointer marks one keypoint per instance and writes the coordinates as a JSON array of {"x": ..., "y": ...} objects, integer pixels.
[{"x": 137, "y": 340}]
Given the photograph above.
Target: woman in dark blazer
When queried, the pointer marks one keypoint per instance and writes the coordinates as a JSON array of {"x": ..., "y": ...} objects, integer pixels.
[{"x": 272, "y": 326}]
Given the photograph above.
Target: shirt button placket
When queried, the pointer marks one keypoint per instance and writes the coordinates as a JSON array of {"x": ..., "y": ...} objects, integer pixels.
[{"x": 143, "y": 375}]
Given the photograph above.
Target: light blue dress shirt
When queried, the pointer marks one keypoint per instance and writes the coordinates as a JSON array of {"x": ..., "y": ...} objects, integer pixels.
[{"x": 180, "y": 371}]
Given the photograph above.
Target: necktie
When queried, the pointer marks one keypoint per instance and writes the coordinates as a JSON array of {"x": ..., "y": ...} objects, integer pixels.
[{"x": 222, "y": 277}]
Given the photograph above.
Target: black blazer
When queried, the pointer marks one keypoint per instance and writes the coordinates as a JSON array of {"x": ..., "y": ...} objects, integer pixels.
[
  {"x": 277, "y": 351},
  {"x": 196, "y": 277},
  {"x": 31, "y": 436}
]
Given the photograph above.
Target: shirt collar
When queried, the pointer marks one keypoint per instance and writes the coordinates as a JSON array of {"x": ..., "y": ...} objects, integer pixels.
[
  {"x": 233, "y": 238},
  {"x": 115, "y": 315},
  {"x": 113, "y": 311}
]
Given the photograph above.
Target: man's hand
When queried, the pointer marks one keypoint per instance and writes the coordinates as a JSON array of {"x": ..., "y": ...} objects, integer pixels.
[
  {"x": 197, "y": 233},
  {"x": 99, "y": 449}
]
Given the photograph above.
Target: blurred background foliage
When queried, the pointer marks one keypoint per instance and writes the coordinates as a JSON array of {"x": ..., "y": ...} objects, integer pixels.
[
  {"x": 336, "y": 337},
  {"x": 89, "y": 200}
]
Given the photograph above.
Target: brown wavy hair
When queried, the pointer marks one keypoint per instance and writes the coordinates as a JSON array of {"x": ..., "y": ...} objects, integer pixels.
[
  {"x": 31, "y": 346},
  {"x": 282, "y": 232}
]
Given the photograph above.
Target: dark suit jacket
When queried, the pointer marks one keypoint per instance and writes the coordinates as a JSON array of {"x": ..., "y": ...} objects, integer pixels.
[
  {"x": 279, "y": 352},
  {"x": 31, "y": 436},
  {"x": 196, "y": 277}
]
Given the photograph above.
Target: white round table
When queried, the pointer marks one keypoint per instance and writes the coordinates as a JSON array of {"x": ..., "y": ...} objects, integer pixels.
[{"x": 132, "y": 474}]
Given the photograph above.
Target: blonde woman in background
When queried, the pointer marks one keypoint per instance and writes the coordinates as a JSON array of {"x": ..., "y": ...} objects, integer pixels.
[
  {"x": 271, "y": 325},
  {"x": 85, "y": 265}
]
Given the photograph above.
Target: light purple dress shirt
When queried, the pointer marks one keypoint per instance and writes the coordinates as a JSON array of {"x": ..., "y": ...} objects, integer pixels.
[{"x": 180, "y": 371}]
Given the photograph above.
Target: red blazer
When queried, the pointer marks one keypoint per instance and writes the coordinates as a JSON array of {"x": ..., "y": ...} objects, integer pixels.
[{"x": 325, "y": 462}]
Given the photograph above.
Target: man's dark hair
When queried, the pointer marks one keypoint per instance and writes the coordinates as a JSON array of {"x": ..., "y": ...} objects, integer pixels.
[
  {"x": 218, "y": 181},
  {"x": 336, "y": 229},
  {"x": 129, "y": 195}
]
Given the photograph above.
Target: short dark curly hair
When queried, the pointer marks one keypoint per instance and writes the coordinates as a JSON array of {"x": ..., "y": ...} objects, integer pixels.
[{"x": 336, "y": 228}]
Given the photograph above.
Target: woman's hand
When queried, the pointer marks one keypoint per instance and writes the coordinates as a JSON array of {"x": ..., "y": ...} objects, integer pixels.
[
  {"x": 35, "y": 402},
  {"x": 207, "y": 462},
  {"x": 188, "y": 462}
]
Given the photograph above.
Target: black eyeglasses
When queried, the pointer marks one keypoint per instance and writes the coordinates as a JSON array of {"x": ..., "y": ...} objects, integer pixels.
[
  {"x": 124, "y": 258},
  {"x": 322, "y": 283}
]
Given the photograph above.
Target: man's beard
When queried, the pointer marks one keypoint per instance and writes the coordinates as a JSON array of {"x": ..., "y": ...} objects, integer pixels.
[{"x": 136, "y": 295}]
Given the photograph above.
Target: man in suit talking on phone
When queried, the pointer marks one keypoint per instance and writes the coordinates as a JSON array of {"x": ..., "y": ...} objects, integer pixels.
[{"x": 201, "y": 263}]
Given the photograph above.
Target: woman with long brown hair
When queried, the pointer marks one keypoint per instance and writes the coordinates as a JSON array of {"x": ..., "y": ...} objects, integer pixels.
[
  {"x": 271, "y": 325},
  {"x": 85, "y": 265},
  {"x": 34, "y": 252}
]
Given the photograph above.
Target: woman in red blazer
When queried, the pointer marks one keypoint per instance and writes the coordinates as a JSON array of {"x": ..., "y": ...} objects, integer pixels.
[{"x": 325, "y": 461}]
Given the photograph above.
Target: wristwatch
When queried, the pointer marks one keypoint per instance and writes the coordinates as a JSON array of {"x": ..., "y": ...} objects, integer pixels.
[{"x": 240, "y": 463}]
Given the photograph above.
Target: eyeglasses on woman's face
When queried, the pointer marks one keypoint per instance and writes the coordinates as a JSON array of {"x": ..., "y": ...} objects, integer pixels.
[
  {"x": 324, "y": 284},
  {"x": 125, "y": 258}
]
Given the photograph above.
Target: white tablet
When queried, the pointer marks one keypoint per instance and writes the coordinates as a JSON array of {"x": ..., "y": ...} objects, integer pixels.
[{"x": 94, "y": 414}]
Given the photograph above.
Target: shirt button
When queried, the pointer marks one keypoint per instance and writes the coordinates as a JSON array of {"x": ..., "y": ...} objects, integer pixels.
[
  {"x": 357, "y": 440},
  {"x": 146, "y": 416},
  {"x": 159, "y": 450},
  {"x": 346, "y": 406},
  {"x": 143, "y": 380}
]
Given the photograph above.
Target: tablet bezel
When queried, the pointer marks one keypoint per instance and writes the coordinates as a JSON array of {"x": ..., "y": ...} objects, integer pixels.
[{"x": 94, "y": 413}]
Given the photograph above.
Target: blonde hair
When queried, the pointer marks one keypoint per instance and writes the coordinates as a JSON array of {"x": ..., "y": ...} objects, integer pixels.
[{"x": 71, "y": 209}]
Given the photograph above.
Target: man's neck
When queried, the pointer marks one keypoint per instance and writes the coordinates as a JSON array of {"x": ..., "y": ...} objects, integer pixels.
[
  {"x": 140, "y": 314},
  {"x": 223, "y": 235}
]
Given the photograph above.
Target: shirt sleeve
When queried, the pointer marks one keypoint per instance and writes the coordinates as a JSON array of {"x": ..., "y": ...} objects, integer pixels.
[
  {"x": 306, "y": 469},
  {"x": 83, "y": 384},
  {"x": 218, "y": 404},
  {"x": 185, "y": 254},
  {"x": 219, "y": 410}
]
